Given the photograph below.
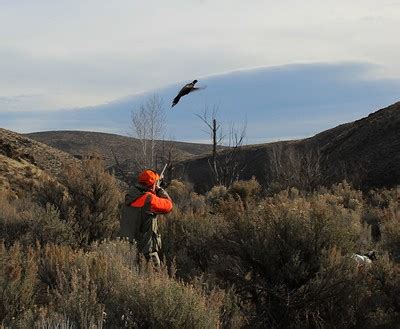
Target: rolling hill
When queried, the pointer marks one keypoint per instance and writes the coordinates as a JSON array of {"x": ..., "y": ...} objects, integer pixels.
[
  {"x": 82, "y": 143},
  {"x": 365, "y": 152},
  {"x": 23, "y": 162}
]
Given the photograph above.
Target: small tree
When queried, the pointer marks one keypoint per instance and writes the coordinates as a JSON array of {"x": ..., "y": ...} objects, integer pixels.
[
  {"x": 148, "y": 125},
  {"x": 225, "y": 166},
  {"x": 87, "y": 200},
  {"x": 291, "y": 166},
  {"x": 215, "y": 132},
  {"x": 230, "y": 161}
]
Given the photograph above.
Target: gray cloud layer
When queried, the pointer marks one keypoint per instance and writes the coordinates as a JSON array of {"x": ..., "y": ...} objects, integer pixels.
[
  {"x": 76, "y": 53},
  {"x": 277, "y": 103}
]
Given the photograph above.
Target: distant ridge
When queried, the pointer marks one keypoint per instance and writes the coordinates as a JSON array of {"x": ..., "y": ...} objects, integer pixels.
[
  {"x": 365, "y": 152},
  {"x": 23, "y": 162},
  {"x": 79, "y": 143}
]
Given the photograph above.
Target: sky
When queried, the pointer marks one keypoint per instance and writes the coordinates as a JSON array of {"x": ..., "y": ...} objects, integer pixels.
[{"x": 68, "y": 54}]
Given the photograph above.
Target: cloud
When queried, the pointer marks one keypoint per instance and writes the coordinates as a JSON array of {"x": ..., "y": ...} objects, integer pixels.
[
  {"x": 79, "y": 53},
  {"x": 22, "y": 102},
  {"x": 277, "y": 102}
]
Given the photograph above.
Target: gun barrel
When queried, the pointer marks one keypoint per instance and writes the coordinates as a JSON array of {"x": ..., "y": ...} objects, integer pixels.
[
  {"x": 162, "y": 172},
  {"x": 162, "y": 175}
]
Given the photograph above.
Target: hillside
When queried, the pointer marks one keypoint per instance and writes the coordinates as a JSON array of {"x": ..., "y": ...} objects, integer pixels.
[
  {"x": 80, "y": 143},
  {"x": 370, "y": 147},
  {"x": 24, "y": 161},
  {"x": 365, "y": 152}
]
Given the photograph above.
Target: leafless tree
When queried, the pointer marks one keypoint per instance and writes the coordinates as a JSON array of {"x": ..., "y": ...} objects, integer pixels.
[
  {"x": 230, "y": 164},
  {"x": 311, "y": 168},
  {"x": 172, "y": 158},
  {"x": 215, "y": 132},
  {"x": 168, "y": 154},
  {"x": 148, "y": 125},
  {"x": 225, "y": 165},
  {"x": 290, "y": 166},
  {"x": 121, "y": 172}
]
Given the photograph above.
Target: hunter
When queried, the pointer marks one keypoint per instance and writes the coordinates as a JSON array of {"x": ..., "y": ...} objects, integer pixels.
[{"x": 143, "y": 203}]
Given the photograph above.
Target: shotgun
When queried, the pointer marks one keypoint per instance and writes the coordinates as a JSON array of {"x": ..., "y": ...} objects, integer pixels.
[{"x": 161, "y": 175}]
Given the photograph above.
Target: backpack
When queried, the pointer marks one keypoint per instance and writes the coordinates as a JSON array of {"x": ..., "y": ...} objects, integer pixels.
[{"x": 131, "y": 218}]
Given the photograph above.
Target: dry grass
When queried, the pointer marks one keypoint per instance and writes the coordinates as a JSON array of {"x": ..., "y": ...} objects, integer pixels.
[
  {"x": 101, "y": 287},
  {"x": 234, "y": 258}
]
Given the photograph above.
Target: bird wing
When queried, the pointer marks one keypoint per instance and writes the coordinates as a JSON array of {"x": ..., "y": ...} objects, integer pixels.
[
  {"x": 198, "y": 88},
  {"x": 186, "y": 89}
]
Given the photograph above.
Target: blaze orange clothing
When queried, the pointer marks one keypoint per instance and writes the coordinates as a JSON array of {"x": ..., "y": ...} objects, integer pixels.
[
  {"x": 157, "y": 205},
  {"x": 148, "y": 177}
]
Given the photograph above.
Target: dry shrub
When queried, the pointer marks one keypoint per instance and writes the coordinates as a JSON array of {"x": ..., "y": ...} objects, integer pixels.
[
  {"x": 47, "y": 227},
  {"x": 384, "y": 280},
  {"x": 284, "y": 240},
  {"x": 229, "y": 207},
  {"x": 179, "y": 191},
  {"x": 216, "y": 194},
  {"x": 283, "y": 256},
  {"x": 88, "y": 200},
  {"x": 28, "y": 223},
  {"x": 94, "y": 197},
  {"x": 390, "y": 228},
  {"x": 68, "y": 292},
  {"x": 57, "y": 285},
  {"x": 189, "y": 241},
  {"x": 382, "y": 213},
  {"x": 347, "y": 196},
  {"x": 144, "y": 298},
  {"x": 224, "y": 204},
  {"x": 283, "y": 261},
  {"x": 383, "y": 198},
  {"x": 13, "y": 223},
  {"x": 51, "y": 320},
  {"x": 239, "y": 196},
  {"x": 336, "y": 296},
  {"x": 245, "y": 190},
  {"x": 185, "y": 199},
  {"x": 155, "y": 301},
  {"x": 18, "y": 283},
  {"x": 76, "y": 296}
]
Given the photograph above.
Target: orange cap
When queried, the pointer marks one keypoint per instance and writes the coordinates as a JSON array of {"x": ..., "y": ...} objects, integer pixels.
[{"x": 148, "y": 177}]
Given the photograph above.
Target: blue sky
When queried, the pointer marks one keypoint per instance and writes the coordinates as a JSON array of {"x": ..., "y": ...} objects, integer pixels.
[
  {"x": 276, "y": 103},
  {"x": 63, "y": 55}
]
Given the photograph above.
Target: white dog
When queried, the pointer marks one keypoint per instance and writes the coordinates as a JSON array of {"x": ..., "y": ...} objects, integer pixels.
[{"x": 364, "y": 260}]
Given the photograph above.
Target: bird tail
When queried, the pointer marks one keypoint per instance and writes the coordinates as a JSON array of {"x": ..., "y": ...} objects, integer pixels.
[{"x": 175, "y": 101}]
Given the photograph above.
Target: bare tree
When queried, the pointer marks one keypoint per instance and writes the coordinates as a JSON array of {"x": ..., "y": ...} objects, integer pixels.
[
  {"x": 230, "y": 164},
  {"x": 226, "y": 165},
  {"x": 215, "y": 132},
  {"x": 312, "y": 169},
  {"x": 172, "y": 158},
  {"x": 123, "y": 175},
  {"x": 170, "y": 155},
  {"x": 148, "y": 125},
  {"x": 290, "y": 166}
]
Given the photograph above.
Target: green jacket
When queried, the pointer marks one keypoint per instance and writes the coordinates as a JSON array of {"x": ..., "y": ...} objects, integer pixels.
[{"x": 138, "y": 222}]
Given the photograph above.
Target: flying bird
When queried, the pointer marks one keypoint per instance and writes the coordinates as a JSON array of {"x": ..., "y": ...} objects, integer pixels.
[{"x": 184, "y": 91}]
